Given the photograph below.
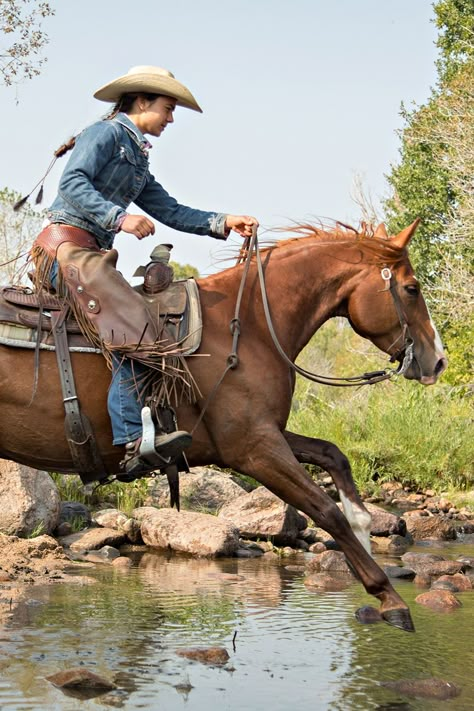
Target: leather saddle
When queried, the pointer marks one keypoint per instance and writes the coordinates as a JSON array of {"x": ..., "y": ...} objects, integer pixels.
[{"x": 25, "y": 314}]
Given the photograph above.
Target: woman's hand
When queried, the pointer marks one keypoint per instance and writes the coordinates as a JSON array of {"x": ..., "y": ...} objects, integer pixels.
[
  {"x": 242, "y": 224},
  {"x": 138, "y": 225}
]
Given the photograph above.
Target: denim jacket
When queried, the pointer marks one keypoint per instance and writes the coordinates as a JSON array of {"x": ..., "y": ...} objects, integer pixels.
[{"x": 107, "y": 170}]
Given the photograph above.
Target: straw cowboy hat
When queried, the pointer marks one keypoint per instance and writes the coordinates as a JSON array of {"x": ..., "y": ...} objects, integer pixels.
[{"x": 153, "y": 80}]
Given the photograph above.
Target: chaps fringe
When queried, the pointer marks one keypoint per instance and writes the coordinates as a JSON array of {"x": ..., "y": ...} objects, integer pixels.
[{"x": 169, "y": 379}]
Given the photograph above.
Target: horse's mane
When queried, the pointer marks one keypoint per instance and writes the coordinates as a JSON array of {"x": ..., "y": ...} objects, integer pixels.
[{"x": 380, "y": 249}]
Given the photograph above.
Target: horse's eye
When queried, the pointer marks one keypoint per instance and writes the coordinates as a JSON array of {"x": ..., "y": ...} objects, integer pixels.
[{"x": 412, "y": 289}]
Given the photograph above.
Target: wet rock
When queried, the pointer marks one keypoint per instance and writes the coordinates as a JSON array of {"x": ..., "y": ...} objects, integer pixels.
[
  {"x": 439, "y": 600},
  {"x": 261, "y": 514},
  {"x": 105, "y": 554},
  {"x": 329, "y": 561},
  {"x": 436, "y": 568},
  {"x": 81, "y": 683},
  {"x": 398, "y": 571},
  {"x": 247, "y": 552},
  {"x": 74, "y": 513},
  {"x": 122, "y": 562},
  {"x": 424, "y": 688},
  {"x": 203, "y": 490},
  {"x": 64, "y": 529},
  {"x": 132, "y": 530},
  {"x": 317, "y": 548},
  {"x": 385, "y": 523},
  {"x": 29, "y": 500},
  {"x": 432, "y": 527},
  {"x": 422, "y": 581},
  {"x": 467, "y": 561},
  {"x": 444, "y": 584},
  {"x": 368, "y": 615},
  {"x": 92, "y": 539},
  {"x": 412, "y": 559},
  {"x": 296, "y": 568},
  {"x": 110, "y": 518},
  {"x": 393, "y": 545},
  {"x": 200, "y": 534},
  {"x": 205, "y": 655},
  {"x": 328, "y": 582},
  {"x": 310, "y": 535},
  {"x": 460, "y": 582}
]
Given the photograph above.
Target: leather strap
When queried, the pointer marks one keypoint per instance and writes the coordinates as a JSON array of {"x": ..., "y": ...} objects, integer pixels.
[{"x": 79, "y": 432}]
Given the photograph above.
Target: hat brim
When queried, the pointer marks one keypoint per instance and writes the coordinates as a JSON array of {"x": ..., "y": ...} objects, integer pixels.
[{"x": 148, "y": 83}]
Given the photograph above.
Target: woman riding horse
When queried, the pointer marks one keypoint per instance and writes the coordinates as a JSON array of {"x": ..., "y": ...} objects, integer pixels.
[{"x": 108, "y": 169}]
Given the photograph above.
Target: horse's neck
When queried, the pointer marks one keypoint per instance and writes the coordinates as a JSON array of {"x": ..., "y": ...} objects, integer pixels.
[{"x": 306, "y": 286}]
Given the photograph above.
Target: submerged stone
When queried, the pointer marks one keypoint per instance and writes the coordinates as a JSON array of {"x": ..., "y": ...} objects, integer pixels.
[
  {"x": 206, "y": 655},
  {"x": 424, "y": 688}
]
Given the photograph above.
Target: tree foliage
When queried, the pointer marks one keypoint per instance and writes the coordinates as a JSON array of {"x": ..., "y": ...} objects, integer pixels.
[
  {"x": 17, "y": 232},
  {"x": 23, "y": 38},
  {"x": 434, "y": 180},
  {"x": 184, "y": 271}
]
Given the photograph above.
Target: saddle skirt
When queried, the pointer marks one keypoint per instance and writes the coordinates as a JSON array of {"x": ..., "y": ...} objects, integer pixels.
[{"x": 24, "y": 320}]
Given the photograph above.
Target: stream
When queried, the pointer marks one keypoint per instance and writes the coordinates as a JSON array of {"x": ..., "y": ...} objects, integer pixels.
[{"x": 289, "y": 647}]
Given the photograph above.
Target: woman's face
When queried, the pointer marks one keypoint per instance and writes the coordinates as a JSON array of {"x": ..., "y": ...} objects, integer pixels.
[{"x": 155, "y": 115}]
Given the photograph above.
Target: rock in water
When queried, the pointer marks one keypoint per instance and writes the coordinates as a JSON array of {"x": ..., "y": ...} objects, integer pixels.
[
  {"x": 424, "y": 688},
  {"x": 206, "y": 655},
  {"x": 81, "y": 683}
]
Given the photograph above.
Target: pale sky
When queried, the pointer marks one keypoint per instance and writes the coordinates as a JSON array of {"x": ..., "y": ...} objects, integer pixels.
[{"x": 299, "y": 98}]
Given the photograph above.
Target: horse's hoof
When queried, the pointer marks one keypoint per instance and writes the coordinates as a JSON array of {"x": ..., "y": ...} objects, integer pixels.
[{"x": 399, "y": 617}]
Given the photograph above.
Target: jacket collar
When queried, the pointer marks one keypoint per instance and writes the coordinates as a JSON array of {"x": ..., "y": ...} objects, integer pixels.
[{"x": 135, "y": 132}]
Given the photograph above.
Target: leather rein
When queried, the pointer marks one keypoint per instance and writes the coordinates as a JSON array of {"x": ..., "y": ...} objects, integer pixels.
[{"x": 251, "y": 246}]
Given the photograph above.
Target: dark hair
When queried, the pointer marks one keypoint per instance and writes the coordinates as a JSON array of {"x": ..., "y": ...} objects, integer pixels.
[{"x": 126, "y": 101}]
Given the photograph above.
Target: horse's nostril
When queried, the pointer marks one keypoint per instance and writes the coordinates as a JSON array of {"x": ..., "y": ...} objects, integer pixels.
[{"x": 441, "y": 366}]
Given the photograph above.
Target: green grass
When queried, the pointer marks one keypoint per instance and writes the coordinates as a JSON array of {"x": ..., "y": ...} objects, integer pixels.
[{"x": 398, "y": 430}]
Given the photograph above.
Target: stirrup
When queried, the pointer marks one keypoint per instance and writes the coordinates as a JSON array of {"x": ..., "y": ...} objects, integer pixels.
[{"x": 147, "y": 459}]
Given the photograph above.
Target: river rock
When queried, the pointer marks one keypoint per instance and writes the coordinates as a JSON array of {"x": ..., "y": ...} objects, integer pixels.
[
  {"x": 203, "y": 490},
  {"x": 206, "y": 655},
  {"x": 74, "y": 512},
  {"x": 81, "y": 682},
  {"x": 385, "y": 523},
  {"x": 439, "y": 600},
  {"x": 261, "y": 514},
  {"x": 436, "y": 568},
  {"x": 412, "y": 559},
  {"x": 110, "y": 518},
  {"x": 393, "y": 544},
  {"x": 458, "y": 581},
  {"x": 122, "y": 562},
  {"x": 333, "y": 582},
  {"x": 400, "y": 572},
  {"x": 424, "y": 688},
  {"x": 190, "y": 532},
  {"x": 29, "y": 500},
  {"x": 432, "y": 527},
  {"x": 329, "y": 561},
  {"x": 92, "y": 539},
  {"x": 368, "y": 615}
]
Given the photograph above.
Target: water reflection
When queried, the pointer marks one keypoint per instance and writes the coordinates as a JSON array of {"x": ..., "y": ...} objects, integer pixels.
[{"x": 291, "y": 643}]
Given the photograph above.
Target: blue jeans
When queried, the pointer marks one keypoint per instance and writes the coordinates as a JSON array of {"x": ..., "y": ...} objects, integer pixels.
[{"x": 124, "y": 399}]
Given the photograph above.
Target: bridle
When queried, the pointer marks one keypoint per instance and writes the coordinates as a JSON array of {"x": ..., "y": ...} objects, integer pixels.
[
  {"x": 251, "y": 246},
  {"x": 368, "y": 378}
]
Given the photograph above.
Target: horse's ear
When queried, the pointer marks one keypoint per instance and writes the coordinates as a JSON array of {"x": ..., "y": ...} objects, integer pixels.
[
  {"x": 381, "y": 232},
  {"x": 403, "y": 238}
]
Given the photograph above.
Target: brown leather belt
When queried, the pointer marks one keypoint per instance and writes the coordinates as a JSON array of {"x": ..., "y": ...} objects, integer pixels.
[{"x": 55, "y": 234}]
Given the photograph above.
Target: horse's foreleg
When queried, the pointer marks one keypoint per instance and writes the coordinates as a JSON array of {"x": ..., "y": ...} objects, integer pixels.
[
  {"x": 327, "y": 456},
  {"x": 272, "y": 462}
]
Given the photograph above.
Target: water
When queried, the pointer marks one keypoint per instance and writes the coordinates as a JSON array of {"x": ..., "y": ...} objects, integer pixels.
[{"x": 293, "y": 648}]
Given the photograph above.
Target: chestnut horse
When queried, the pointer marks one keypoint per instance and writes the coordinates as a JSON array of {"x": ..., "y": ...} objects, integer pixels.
[{"x": 309, "y": 279}]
